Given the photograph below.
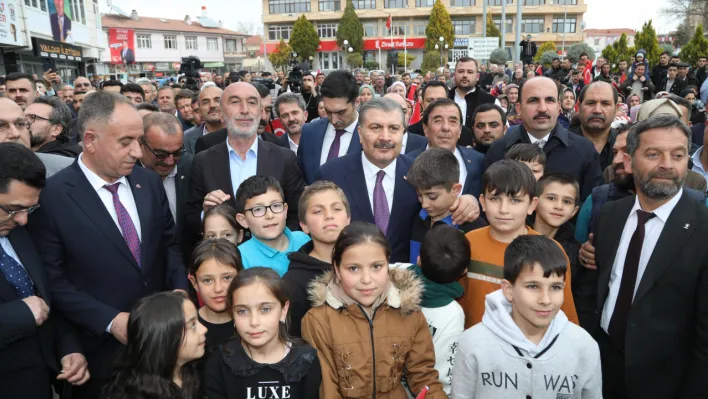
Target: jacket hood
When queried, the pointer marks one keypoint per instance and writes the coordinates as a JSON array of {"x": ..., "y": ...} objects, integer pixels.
[
  {"x": 642, "y": 52},
  {"x": 303, "y": 261},
  {"x": 497, "y": 317},
  {"x": 437, "y": 295},
  {"x": 404, "y": 293}
]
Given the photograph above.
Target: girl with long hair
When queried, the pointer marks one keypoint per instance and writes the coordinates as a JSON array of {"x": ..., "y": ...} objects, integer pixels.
[{"x": 220, "y": 222}]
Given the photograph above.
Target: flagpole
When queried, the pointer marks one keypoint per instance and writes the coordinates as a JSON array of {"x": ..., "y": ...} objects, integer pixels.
[
  {"x": 405, "y": 51},
  {"x": 393, "y": 72}
]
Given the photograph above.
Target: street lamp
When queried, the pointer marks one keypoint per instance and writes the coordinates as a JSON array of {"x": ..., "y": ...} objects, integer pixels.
[
  {"x": 440, "y": 47},
  {"x": 345, "y": 47}
]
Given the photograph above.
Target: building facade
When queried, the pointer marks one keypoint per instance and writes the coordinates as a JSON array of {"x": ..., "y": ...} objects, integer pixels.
[
  {"x": 64, "y": 35},
  {"x": 158, "y": 45},
  {"x": 559, "y": 21},
  {"x": 598, "y": 39}
]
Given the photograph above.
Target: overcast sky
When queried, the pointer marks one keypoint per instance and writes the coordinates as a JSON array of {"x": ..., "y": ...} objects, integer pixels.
[{"x": 601, "y": 14}]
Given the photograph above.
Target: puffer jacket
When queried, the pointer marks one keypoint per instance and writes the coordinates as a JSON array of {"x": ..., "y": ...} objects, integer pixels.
[{"x": 353, "y": 347}]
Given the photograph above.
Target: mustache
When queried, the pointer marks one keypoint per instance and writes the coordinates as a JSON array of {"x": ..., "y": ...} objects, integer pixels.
[
  {"x": 384, "y": 145},
  {"x": 542, "y": 115},
  {"x": 663, "y": 175},
  {"x": 597, "y": 116},
  {"x": 263, "y": 123},
  {"x": 213, "y": 109}
]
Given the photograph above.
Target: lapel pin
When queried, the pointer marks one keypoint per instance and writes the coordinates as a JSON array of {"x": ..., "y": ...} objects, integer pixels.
[
  {"x": 182, "y": 177},
  {"x": 137, "y": 186},
  {"x": 686, "y": 226}
]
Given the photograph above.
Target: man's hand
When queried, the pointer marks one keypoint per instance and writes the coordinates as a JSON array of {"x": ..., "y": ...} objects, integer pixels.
[
  {"x": 119, "y": 328},
  {"x": 587, "y": 254},
  {"x": 465, "y": 209},
  {"x": 49, "y": 77},
  {"x": 74, "y": 369},
  {"x": 215, "y": 198},
  {"x": 642, "y": 78},
  {"x": 39, "y": 309}
]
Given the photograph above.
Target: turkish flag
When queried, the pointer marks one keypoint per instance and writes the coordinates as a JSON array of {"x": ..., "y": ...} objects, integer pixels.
[
  {"x": 389, "y": 21},
  {"x": 278, "y": 128}
]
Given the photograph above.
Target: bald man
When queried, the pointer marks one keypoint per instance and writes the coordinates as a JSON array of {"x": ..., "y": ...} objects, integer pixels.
[{"x": 411, "y": 142}]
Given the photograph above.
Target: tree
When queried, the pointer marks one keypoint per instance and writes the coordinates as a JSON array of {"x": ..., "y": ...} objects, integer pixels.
[
  {"x": 431, "y": 61},
  {"x": 547, "y": 57},
  {"x": 575, "y": 50},
  {"x": 492, "y": 30},
  {"x": 610, "y": 54},
  {"x": 547, "y": 46},
  {"x": 667, "y": 47},
  {"x": 683, "y": 34},
  {"x": 439, "y": 25},
  {"x": 279, "y": 58},
  {"x": 685, "y": 9},
  {"x": 618, "y": 51},
  {"x": 696, "y": 47},
  {"x": 498, "y": 56},
  {"x": 409, "y": 59},
  {"x": 355, "y": 60},
  {"x": 646, "y": 40},
  {"x": 304, "y": 39},
  {"x": 351, "y": 29},
  {"x": 249, "y": 27}
]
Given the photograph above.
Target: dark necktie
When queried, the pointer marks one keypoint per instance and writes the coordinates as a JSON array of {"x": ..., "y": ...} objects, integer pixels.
[
  {"x": 381, "y": 212},
  {"x": 334, "y": 148},
  {"x": 618, "y": 323},
  {"x": 130, "y": 234},
  {"x": 16, "y": 275}
]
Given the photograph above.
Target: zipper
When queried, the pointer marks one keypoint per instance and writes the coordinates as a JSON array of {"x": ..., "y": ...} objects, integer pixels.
[{"x": 373, "y": 348}]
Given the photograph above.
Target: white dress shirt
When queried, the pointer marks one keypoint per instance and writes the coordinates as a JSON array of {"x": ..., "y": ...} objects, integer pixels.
[
  {"x": 462, "y": 103},
  {"x": 389, "y": 182},
  {"x": 171, "y": 191},
  {"x": 293, "y": 145},
  {"x": 344, "y": 140},
  {"x": 125, "y": 194},
  {"x": 534, "y": 140},
  {"x": 652, "y": 231},
  {"x": 404, "y": 142},
  {"x": 461, "y": 162}
]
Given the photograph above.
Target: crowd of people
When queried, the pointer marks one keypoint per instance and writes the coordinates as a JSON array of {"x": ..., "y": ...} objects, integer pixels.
[{"x": 486, "y": 232}]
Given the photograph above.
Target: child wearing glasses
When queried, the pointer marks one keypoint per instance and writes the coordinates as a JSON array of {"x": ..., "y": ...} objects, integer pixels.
[{"x": 262, "y": 209}]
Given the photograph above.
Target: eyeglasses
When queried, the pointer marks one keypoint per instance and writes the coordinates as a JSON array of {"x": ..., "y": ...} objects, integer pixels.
[
  {"x": 260, "y": 211},
  {"x": 19, "y": 125},
  {"x": 83, "y": 85},
  {"x": 12, "y": 214},
  {"x": 160, "y": 154},
  {"x": 31, "y": 118}
]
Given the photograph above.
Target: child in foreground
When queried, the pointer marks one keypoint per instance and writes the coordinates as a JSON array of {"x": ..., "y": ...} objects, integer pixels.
[
  {"x": 530, "y": 155},
  {"x": 261, "y": 361},
  {"x": 220, "y": 222},
  {"x": 525, "y": 346}
]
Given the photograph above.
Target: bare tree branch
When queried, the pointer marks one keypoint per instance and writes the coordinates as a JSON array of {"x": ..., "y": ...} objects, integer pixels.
[{"x": 683, "y": 9}]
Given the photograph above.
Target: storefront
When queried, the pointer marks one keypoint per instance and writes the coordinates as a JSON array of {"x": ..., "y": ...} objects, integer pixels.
[{"x": 67, "y": 58}]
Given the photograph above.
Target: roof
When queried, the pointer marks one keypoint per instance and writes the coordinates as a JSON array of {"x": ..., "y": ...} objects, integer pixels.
[
  {"x": 254, "y": 41},
  {"x": 161, "y": 24},
  {"x": 610, "y": 32}
]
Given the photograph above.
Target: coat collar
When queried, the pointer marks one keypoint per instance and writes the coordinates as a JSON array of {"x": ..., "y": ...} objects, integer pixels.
[{"x": 517, "y": 134}]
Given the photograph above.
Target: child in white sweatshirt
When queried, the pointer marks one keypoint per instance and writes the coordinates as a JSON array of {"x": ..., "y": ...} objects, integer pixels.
[{"x": 525, "y": 346}]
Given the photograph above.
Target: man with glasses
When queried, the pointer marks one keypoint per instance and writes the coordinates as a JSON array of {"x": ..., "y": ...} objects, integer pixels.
[
  {"x": 38, "y": 343},
  {"x": 164, "y": 153},
  {"x": 82, "y": 84},
  {"x": 50, "y": 119},
  {"x": 14, "y": 128}
]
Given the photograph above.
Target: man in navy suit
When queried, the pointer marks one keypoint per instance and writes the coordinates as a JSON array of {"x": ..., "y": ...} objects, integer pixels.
[
  {"x": 36, "y": 344},
  {"x": 61, "y": 24},
  {"x": 374, "y": 179},
  {"x": 334, "y": 136},
  {"x": 442, "y": 123},
  {"x": 107, "y": 234},
  {"x": 127, "y": 54}
]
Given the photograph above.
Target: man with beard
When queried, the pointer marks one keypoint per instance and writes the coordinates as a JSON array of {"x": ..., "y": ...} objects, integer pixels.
[
  {"x": 658, "y": 73},
  {"x": 49, "y": 120},
  {"x": 489, "y": 126},
  {"x": 20, "y": 88},
  {"x": 290, "y": 108},
  {"x": 309, "y": 95},
  {"x": 210, "y": 111},
  {"x": 218, "y": 171},
  {"x": 652, "y": 260},
  {"x": 466, "y": 93},
  {"x": 380, "y": 85},
  {"x": 556, "y": 72},
  {"x": 598, "y": 104},
  {"x": 431, "y": 92}
]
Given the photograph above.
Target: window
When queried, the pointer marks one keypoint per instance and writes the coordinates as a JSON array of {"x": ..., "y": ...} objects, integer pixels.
[
  {"x": 509, "y": 24},
  {"x": 396, "y": 3},
  {"x": 212, "y": 44},
  {"x": 532, "y": 25},
  {"x": 462, "y": 3},
  {"x": 534, "y": 2},
  {"x": 419, "y": 26},
  {"x": 371, "y": 29},
  {"x": 171, "y": 42},
  {"x": 144, "y": 41},
  {"x": 399, "y": 28},
  {"x": 424, "y": 3},
  {"x": 566, "y": 2},
  {"x": 288, "y": 6},
  {"x": 231, "y": 46},
  {"x": 561, "y": 25},
  {"x": 463, "y": 26},
  {"x": 364, "y": 4},
  {"x": 330, "y": 5},
  {"x": 597, "y": 41},
  {"x": 78, "y": 12},
  {"x": 327, "y": 30},
  {"x": 277, "y": 32},
  {"x": 41, "y": 4},
  {"x": 190, "y": 42},
  {"x": 498, "y": 3}
]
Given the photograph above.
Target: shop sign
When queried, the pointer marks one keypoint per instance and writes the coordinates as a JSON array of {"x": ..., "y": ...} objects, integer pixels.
[{"x": 58, "y": 50}]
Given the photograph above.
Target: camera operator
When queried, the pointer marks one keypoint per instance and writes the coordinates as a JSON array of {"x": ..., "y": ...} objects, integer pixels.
[
  {"x": 275, "y": 87},
  {"x": 309, "y": 95}
]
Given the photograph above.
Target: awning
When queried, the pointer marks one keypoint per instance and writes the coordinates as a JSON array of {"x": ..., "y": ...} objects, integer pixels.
[{"x": 213, "y": 64}]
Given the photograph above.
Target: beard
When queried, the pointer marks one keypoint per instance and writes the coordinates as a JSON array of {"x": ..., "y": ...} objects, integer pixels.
[
  {"x": 624, "y": 182},
  {"x": 244, "y": 133},
  {"x": 36, "y": 139},
  {"x": 654, "y": 190}
]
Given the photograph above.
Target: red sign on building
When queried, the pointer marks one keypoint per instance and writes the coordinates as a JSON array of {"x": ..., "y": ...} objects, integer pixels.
[{"x": 384, "y": 44}]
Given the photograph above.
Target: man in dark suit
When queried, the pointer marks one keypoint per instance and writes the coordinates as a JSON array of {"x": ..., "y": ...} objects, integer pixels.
[
  {"x": 442, "y": 121},
  {"x": 107, "y": 234},
  {"x": 652, "y": 263},
  {"x": 436, "y": 90},
  {"x": 334, "y": 136},
  {"x": 127, "y": 55},
  {"x": 374, "y": 179},
  {"x": 467, "y": 93},
  {"x": 36, "y": 345},
  {"x": 219, "y": 171},
  {"x": 164, "y": 153},
  {"x": 292, "y": 111},
  {"x": 60, "y": 23},
  {"x": 210, "y": 111},
  {"x": 538, "y": 106}
]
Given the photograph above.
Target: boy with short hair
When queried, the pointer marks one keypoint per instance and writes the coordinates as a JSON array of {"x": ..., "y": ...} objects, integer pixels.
[
  {"x": 323, "y": 212},
  {"x": 525, "y": 345},
  {"x": 262, "y": 209},
  {"x": 435, "y": 177},
  {"x": 529, "y": 154},
  {"x": 507, "y": 199}
]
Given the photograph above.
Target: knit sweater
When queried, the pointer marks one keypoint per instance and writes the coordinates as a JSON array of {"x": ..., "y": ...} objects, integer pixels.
[{"x": 486, "y": 272}]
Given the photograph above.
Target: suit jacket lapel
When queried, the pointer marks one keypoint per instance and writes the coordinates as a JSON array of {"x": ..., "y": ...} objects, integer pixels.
[
  {"x": 607, "y": 257},
  {"x": 400, "y": 195},
  {"x": 470, "y": 171},
  {"x": 219, "y": 158},
  {"x": 142, "y": 198},
  {"x": 25, "y": 250},
  {"x": 318, "y": 141},
  {"x": 264, "y": 162},
  {"x": 359, "y": 195},
  {"x": 355, "y": 144}
]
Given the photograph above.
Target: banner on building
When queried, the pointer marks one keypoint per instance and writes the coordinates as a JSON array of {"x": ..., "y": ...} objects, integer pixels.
[
  {"x": 122, "y": 44},
  {"x": 9, "y": 32},
  {"x": 60, "y": 17}
]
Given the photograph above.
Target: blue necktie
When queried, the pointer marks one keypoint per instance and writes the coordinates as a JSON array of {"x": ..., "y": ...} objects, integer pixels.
[{"x": 16, "y": 275}]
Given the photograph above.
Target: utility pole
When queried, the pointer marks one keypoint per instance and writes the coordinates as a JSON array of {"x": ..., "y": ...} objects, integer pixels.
[{"x": 517, "y": 39}]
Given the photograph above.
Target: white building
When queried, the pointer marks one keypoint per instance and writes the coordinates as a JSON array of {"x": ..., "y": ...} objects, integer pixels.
[
  {"x": 160, "y": 44},
  {"x": 598, "y": 39}
]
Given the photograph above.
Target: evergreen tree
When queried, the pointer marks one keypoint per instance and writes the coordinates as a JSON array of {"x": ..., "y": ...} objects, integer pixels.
[
  {"x": 279, "y": 58},
  {"x": 696, "y": 47},
  {"x": 575, "y": 50},
  {"x": 547, "y": 57},
  {"x": 431, "y": 61},
  {"x": 439, "y": 25},
  {"x": 351, "y": 29},
  {"x": 547, "y": 46},
  {"x": 499, "y": 57},
  {"x": 409, "y": 60},
  {"x": 492, "y": 30},
  {"x": 355, "y": 60},
  {"x": 646, "y": 40},
  {"x": 617, "y": 51},
  {"x": 304, "y": 39}
]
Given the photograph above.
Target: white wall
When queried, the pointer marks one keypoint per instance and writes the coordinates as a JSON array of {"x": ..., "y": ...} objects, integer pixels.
[{"x": 158, "y": 53}]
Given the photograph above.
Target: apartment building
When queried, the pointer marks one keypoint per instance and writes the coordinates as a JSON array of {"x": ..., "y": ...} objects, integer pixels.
[
  {"x": 560, "y": 21},
  {"x": 598, "y": 39}
]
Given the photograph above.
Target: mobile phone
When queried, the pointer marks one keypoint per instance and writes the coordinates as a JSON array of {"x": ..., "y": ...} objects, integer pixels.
[{"x": 49, "y": 64}]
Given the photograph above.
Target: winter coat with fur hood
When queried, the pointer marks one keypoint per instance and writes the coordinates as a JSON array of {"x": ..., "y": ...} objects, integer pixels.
[{"x": 353, "y": 347}]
